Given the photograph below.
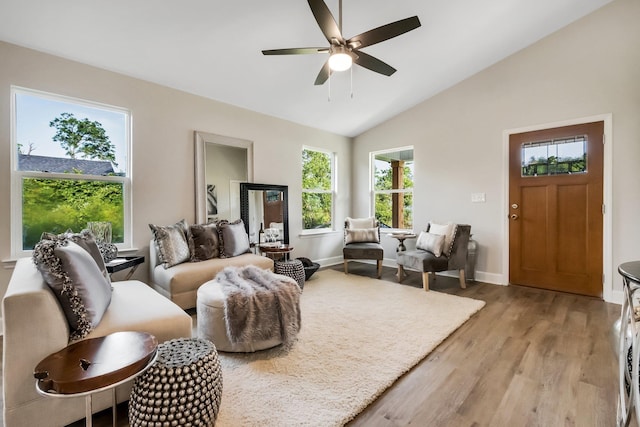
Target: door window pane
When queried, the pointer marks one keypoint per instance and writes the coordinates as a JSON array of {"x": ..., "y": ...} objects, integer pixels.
[{"x": 555, "y": 157}]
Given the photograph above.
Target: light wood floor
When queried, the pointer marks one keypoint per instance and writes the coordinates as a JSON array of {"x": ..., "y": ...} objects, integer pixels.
[{"x": 529, "y": 358}]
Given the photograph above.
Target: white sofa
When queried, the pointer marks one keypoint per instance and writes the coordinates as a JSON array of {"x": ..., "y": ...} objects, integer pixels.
[
  {"x": 180, "y": 283},
  {"x": 35, "y": 326}
]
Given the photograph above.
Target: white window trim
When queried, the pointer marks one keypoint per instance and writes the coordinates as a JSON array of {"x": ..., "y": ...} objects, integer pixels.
[
  {"x": 332, "y": 191},
  {"x": 17, "y": 176},
  {"x": 372, "y": 186}
]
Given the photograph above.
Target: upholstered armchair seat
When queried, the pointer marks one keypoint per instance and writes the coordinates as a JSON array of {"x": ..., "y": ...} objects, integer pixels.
[
  {"x": 363, "y": 251},
  {"x": 423, "y": 261}
]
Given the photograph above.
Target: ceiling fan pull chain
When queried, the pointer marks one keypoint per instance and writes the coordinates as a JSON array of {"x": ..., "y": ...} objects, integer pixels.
[
  {"x": 329, "y": 86},
  {"x": 351, "y": 73}
]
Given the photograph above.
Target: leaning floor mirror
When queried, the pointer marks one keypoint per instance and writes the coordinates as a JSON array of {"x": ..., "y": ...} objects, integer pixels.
[
  {"x": 265, "y": 206},
  {"x": 221, "y": 164}
]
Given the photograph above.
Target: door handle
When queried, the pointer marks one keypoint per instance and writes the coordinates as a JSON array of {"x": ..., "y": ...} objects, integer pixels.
[{"x": 513, "y": 216}]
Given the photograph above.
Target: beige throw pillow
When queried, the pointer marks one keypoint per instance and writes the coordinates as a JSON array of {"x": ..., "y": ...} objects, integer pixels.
[
  {"x": 362, "y": 235},
  {"x": 433, "y": 243},
  {"x": 447, "y": 230},
  {"x": 361, "y": 222}
]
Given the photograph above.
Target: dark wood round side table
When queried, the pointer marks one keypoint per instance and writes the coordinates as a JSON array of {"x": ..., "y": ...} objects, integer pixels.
[
  {"x": 277, "y": 251},
  {"x": 96, "y": 364}
]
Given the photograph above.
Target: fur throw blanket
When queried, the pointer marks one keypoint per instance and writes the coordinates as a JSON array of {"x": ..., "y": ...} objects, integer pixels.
[{"x": 259, "y": 305}]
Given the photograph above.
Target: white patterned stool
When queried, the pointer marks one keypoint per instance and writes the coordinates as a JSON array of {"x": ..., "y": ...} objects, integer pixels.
[
  {"x": 293, "y": 268},
  {"x": 182, "y": 388}
]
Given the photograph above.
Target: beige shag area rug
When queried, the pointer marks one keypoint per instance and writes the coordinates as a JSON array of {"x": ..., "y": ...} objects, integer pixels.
[{"x": 358, "y": 336}]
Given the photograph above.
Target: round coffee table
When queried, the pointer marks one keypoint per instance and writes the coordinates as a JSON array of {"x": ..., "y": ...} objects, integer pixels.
[{"x": 93, "y": 365}]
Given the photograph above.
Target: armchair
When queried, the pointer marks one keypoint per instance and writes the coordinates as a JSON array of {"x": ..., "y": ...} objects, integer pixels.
[
  {"x": 440, "y": 248},
  {"x": 362, "y": 241}
]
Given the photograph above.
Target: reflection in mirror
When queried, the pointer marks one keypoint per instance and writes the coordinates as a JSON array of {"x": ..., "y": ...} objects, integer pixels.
[
  {"x": 266, "y": 206},
  {"x": 222, "y": 163}
]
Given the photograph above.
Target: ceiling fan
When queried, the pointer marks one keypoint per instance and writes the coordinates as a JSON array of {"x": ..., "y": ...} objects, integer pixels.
[{"x": 344, "y": 52}]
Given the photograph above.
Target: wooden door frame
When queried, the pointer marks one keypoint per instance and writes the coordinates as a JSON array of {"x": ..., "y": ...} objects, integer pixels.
[{"x": 608, "y": 293}]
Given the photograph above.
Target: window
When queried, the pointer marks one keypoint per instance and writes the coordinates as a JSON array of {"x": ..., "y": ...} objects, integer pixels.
[
  {"x": 69, "y": 167},
  {"x": 392, "y": 183},
  {"x": 318, "y": 183},
  {"x": 555, "y": 157}
]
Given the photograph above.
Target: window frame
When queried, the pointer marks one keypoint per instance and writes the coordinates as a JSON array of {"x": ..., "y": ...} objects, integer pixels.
[
  {"x": 333, "y": 159},
  {"x": 372, "y": 186},
  {"x": 17, "y": 176}
]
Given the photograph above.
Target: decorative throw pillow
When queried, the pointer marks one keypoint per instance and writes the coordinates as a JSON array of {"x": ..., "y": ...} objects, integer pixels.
[
  {"x": 448, "y": 230},
  {"x": 204, "y": 243},
  {"x": 233, "y": 238},
  {"x": 171, "y": 241},
  {"x": 86, "y": 240},
  {"x": 433, "y": 243},
  {"x": 361, "y": 235},
  {"x": 77, "y": 282},
  {"x": 361, "y": 222}
]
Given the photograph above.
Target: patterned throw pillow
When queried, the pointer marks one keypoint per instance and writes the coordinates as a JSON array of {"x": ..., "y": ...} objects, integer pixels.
[
  {"x": 77, "y": 282},
  {"x": 204, "y": 242},
  {"x": 171, "y": 241},
  {"x": 87, "y": 241},
  {"x": 361, "y": 235},
  {"x": 433, "y": 243},
  {"x": 234, "y": 240}
]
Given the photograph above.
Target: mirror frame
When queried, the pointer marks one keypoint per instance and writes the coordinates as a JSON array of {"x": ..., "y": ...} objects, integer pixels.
[
  {"x": 245, "y": 187},
  {"x": 200, "y": 140}
]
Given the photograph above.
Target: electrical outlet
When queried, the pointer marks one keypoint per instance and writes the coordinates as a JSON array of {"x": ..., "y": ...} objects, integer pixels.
[{"x": 478, "y": 197}]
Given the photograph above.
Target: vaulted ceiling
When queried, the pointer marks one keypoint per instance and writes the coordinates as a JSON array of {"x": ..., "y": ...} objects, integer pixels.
[{"x": 213, "y": 48}]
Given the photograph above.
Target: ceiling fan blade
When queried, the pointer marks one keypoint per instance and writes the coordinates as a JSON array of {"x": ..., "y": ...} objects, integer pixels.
[
  {"x": 325, "y": 19},
  {"x": 384, "y": 32},
  {"x": 296, "y": 51},
  {"x": 373, "y": 64},
  {"x": 323, "y": 75}
]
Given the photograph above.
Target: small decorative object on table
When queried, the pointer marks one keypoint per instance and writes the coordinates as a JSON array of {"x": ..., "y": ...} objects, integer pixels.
[
  {"x": 183, "y": 387},
  {"x": 102, "y": 232}
]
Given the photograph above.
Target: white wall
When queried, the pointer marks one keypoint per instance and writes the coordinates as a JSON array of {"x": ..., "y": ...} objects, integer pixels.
[
  {"x": 164, "y": 121},
  {"x": 591, "y": 67}
]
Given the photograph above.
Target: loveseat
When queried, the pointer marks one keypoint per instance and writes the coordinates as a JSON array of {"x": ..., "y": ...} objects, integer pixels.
[
  {"x": 182, "y": 258},
  {"x": 35, "y": 326}
]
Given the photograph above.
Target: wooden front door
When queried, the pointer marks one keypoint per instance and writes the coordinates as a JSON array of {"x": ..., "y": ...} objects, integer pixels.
[{"x": 555, "y": 208}]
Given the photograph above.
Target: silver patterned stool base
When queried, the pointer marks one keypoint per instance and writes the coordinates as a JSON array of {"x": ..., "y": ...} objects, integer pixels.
[
  {"x": 182, "y": 388},
  {"x": 293, "y": 268}
]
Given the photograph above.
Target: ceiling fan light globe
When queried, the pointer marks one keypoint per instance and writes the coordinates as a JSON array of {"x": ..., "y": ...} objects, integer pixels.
[{"x": 340, "y": 61}]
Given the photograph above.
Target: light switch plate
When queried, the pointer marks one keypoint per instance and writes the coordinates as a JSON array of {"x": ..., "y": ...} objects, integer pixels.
[{"x": 478, "y": 197}]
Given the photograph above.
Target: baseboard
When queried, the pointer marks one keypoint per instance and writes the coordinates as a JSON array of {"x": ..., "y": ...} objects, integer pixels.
[{"x": 327, "y": 262}]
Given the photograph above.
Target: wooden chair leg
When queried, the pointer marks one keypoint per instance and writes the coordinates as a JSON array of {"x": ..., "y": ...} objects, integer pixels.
[
  {"x": 426, "y": 276},
  {"x": 379, "y": 268},
  {"x": 346, "y": 269},
  {"x": 400, "y": 273},
  {"x": 463, "y": 282}
]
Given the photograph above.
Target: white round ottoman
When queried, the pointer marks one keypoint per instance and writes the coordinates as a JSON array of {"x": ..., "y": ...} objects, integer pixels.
[{"x": 211, "y": 323}]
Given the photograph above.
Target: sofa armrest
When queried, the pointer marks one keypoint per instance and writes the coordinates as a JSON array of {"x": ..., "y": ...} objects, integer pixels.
[{"x": 34, "y": 326}]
